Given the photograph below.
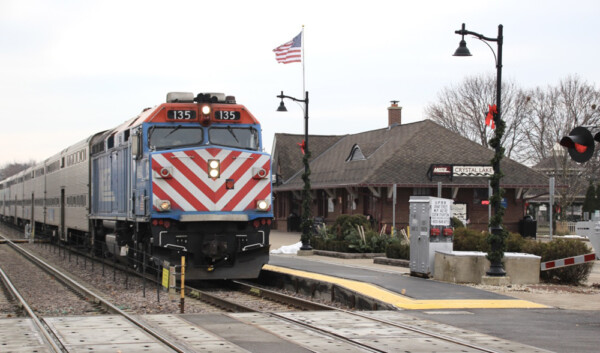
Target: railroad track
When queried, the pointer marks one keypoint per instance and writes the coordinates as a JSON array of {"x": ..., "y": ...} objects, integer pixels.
[
  {"x": 230, "y": 296},
  {"x": 8, "y": 304},
  {"x": 42, "y": 328},
  {"x": 240, "y": 296},
  {"x": 85, "y": 293},
  {"x": 313, "y": 322},
  {"x": 324, "y": 321}
]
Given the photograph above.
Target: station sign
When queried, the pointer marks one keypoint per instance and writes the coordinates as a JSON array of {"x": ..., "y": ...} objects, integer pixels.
[
  {"x": 472, "y": 170},
  {"x": 451, "y": 171}
]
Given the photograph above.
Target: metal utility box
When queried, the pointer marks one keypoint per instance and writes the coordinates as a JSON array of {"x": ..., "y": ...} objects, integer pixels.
[
  {"x": 591, "y": 230},
  {"x": 430, "y": 231}
]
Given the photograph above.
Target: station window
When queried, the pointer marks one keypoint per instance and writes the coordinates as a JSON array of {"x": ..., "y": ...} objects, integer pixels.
[
  {"x": 480, "y": 195},
  {"x": 421, "y": 191}
]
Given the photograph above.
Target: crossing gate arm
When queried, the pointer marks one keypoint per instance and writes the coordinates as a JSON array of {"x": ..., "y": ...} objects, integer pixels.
[{"x": 568, "y": 261}]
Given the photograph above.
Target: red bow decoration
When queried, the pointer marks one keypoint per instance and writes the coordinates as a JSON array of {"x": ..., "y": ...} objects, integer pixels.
[
  {"x": 489, "y": 119},
  {"x": 302, "y": 146}
]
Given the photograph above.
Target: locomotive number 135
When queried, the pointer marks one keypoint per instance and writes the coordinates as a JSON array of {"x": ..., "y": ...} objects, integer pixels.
[
  {"x": 181, "y": 115},
  {"x": 227, "y": 115}
]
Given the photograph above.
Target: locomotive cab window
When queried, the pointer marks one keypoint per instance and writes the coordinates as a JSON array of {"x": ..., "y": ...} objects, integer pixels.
[
  {"x": 241, "y": 137},
  {"x": 162, "y": 138}
]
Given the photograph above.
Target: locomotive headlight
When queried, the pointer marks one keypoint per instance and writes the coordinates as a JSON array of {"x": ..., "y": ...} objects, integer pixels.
[
  {"x": 214, "y": 168},
  {"x": 163, "y": 205},
  {"x": 262, "y": 205},
  {"x": 205, "y": 109}
]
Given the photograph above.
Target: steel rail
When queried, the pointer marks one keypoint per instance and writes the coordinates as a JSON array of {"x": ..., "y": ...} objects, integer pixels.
[
  {"x": 328, "y": 333},
  {"x": 425, "y": 332},
  {"x": 297, "y": 302},
  {"x": 189, "y": 291},
  {"x": 316, "y": 306},
  {"x": 280, "y": 297},
  {"x": 82, "y": 289},
  {"x": 42, "y": 329},
  {"x": 217, "y": 301}
]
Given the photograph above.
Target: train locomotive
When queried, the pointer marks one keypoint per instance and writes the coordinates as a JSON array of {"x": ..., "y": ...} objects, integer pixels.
[{"x": 185, "y": 178}]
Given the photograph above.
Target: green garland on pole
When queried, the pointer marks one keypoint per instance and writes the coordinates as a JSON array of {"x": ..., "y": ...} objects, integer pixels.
[
  {"x": 306, "y": 202},
  {"x": 497, "y": 238}
]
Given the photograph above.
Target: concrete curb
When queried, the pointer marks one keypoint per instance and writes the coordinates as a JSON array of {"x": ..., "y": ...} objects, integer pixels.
[
  {"x": 391, "y": 262},
  {"x": 345, "y": 255}
]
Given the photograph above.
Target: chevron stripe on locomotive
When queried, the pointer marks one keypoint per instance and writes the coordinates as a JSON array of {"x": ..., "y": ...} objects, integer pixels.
[{"x": 185, "y": 178}]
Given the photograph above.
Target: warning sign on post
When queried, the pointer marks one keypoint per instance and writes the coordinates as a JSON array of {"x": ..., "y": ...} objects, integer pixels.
[
  {"x": 441, "y": 211},
  {"x": 165, "y": 278}
]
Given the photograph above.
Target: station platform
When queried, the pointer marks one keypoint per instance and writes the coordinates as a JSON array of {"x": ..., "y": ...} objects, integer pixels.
[{"x": 390, "y": 284}]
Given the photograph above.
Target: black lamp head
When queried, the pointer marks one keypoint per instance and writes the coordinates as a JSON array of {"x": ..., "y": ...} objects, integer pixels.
[
  {"x": 282, "y": 107},
  {"x": 462, "y": 49}
]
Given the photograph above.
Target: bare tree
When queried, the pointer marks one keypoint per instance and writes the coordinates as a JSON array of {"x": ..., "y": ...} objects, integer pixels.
[
  {"x": 536, "y": 119},
  {"x": 463, "y": 109},
  {"x": 10, "y": 169},
  {"x": 552, "y": 113}
]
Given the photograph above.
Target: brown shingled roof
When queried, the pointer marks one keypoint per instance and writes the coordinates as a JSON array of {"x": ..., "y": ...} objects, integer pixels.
[
  {"x": 287, "y": 151},
  {"x": 399, "y": 155}
]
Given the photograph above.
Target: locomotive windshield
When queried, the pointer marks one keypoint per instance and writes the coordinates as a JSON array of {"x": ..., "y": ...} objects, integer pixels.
[
  {"x": 241, "y": 137},
  {"x": 161, "y": 138}
]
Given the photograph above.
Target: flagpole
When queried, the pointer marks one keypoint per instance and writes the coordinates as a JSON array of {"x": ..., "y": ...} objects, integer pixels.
[{"x": 303, "y": 71}]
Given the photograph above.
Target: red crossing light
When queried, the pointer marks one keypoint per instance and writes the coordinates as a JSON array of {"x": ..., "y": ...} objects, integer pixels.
[{"x": 580, "y": 144}]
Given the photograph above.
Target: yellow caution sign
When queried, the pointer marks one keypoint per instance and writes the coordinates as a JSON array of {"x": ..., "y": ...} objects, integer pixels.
[{"x": 165, "y": 278}]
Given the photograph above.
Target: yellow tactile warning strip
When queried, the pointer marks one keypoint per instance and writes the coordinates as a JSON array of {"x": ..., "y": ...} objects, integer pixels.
[{"x": 404, "y": 302}]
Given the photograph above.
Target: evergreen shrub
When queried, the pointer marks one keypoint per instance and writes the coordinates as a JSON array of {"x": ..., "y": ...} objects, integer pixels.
[
  {"x": 398, "y": 250},
  {"x": 560, "y": 249},
  {"x": 350, "y": 233},
  {"x": 470, "y": 240}
]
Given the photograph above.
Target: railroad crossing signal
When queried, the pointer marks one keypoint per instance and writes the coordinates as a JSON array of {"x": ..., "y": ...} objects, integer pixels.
[{"x": 580, "y": 144}]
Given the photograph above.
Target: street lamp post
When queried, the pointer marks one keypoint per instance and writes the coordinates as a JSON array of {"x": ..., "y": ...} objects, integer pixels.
[
  {"x": 306, "y": 198},
  {"x": 498, "y": 235}
]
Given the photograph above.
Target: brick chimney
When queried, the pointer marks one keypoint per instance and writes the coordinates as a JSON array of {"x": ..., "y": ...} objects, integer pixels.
[{"x": 394, "y": 114}]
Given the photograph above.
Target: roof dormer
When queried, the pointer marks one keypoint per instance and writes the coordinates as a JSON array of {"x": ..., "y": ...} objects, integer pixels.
[{"x": 355, "y": 154}]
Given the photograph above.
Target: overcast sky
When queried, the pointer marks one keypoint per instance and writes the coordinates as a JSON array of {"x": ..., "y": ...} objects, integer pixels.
[{"x": 71, "y": 68}]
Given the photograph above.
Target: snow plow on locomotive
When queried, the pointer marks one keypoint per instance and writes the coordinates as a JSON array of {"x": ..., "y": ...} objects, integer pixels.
[{"x": 185, "y": 178}]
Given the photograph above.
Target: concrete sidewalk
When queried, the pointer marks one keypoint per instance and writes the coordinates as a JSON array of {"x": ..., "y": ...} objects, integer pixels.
[
  {"x": 565, "y": 297},
  {"x": 279, "y": 239}
]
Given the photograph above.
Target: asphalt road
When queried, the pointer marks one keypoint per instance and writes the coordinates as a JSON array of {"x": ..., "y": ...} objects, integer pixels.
[{"x": 552, "y": 329}]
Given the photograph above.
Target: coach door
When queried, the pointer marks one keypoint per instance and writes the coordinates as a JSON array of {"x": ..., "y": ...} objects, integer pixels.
[
  {"x": 139, "y": 175},
  {"x": 61, "y": 231},
  {"x": 32, "y": 214}
]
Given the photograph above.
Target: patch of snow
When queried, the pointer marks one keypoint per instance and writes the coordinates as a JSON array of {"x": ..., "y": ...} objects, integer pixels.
[{"x": 288, "y": 249}]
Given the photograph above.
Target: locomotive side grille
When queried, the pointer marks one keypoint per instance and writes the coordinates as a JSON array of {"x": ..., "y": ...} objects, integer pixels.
[{"x": 189, "y": 188}]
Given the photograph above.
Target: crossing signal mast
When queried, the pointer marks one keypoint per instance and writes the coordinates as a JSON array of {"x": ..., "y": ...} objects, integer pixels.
[{"x": 580, "y": 143}]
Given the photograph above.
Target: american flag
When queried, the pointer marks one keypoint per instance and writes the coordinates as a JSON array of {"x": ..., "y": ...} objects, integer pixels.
[{"x": 290, "y": 52}]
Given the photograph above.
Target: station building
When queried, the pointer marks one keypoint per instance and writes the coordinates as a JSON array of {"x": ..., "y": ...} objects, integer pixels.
[{"x": 357, "y": 174}]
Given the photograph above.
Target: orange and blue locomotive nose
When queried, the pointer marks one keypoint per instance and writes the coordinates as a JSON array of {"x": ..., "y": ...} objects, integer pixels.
[{"x": 211, "y": 180}]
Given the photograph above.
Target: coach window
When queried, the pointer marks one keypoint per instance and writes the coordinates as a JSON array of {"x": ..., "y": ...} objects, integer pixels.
[
  {"x": 110, "y": 142},
  {"x": 242, "y": 137}
]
